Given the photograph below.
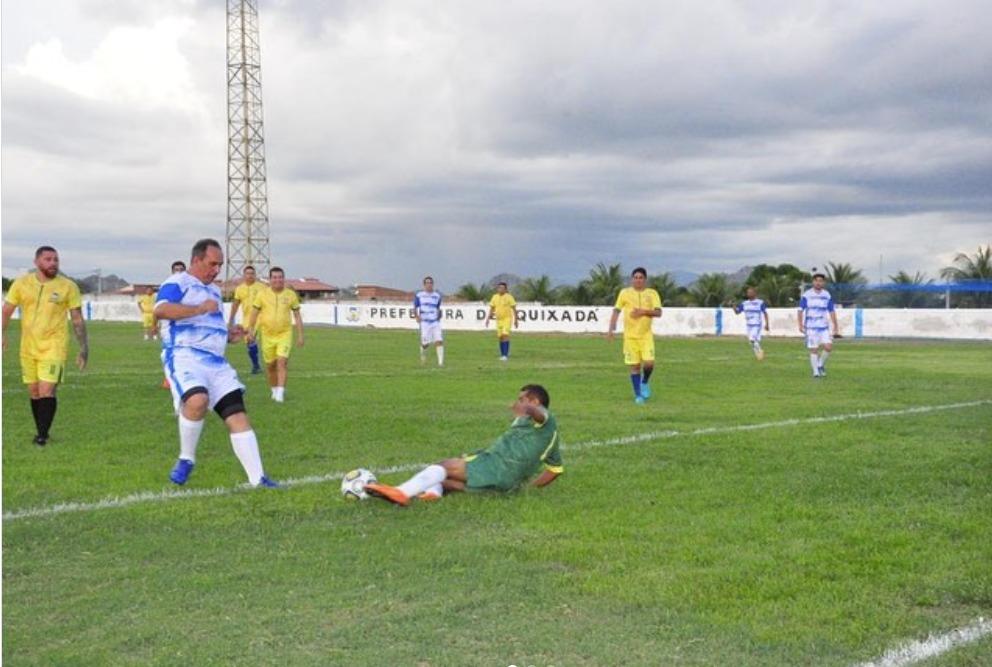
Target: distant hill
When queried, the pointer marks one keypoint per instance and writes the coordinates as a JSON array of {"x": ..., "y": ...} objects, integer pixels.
[
  {"x": 110, "y": 283},
  {"x": 684, "y": 278},
  {"x": 511, "y": 280}
]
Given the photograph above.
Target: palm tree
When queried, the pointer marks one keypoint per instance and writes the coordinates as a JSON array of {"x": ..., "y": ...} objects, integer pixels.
[
  {"x": 712, "y": 289},
  {"x": 604, "y": 283},
  {"x": 536, "y": 289},
  {"x": 573, "y": 295},
  {"x": 905, "y": 295},
  {"x": 844, "y": 282},
  {"x": 778, "y": 290},
  {"x": 664, "y": 284},
  {"x": 966, "y": 269},
  {"x": 472, "y": 292}
]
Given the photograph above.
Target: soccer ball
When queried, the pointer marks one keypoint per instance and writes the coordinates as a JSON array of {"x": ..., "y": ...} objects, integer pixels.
[{"x": 353, "y": 484}]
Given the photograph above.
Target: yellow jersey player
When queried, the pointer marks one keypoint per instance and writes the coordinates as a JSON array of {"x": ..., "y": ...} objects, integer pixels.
[
  {"x": 146, "y": 306},
  {"x": 273, "y": 313},
  {"x": 503, "y": 308},
  {"x": 45, "y": 298},
  {"x": 244, "y": 298},
  {"x": 640, "y": 305}
]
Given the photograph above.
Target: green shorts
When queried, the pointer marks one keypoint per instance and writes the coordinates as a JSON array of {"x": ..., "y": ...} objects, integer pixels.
[{"x": 485, "y": 472}]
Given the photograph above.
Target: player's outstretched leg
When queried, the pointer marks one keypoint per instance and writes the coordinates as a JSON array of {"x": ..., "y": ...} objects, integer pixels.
[{"x": 426, "y": 482}]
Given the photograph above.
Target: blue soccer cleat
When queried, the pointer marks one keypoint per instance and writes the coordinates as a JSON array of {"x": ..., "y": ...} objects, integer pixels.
[
  {"x": 645, "y": 390},
  {"x": 267, "y": 483},
  {"x": 639, "y": 400},
  {"x": 823, "y": 372},
  {"x": 181, "y": 472}
]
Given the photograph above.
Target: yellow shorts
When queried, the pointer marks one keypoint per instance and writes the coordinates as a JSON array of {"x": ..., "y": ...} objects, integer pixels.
[
  {"x": 276, "y": 345},
  {"x": 42, "y": 370},
  {"x": 147, "y": 320},
  {"x": 503, "y": 327},
  {"x": 636, "y": 350}
]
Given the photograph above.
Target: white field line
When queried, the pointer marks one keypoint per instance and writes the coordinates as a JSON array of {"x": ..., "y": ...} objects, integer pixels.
[
  {"x": 179, "y": 494},
  {"x": 916, "y": 651}
]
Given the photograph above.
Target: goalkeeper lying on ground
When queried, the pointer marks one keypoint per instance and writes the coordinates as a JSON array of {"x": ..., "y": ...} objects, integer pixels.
[{"x": 531, "y": 445}]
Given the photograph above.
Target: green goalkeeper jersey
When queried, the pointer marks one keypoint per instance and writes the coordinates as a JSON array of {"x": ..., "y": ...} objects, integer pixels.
[{"x": 516, "y": 455}]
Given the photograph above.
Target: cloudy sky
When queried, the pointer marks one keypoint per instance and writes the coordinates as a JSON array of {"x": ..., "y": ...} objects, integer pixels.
[{"x": 466, "y": 138}]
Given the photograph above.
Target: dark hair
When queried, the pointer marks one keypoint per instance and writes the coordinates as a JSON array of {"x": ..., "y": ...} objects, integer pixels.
[
  {"x": 641, "y": 270},
  {"x": 249, "y": 266},
  {"x": 275, "y": 269},
  {"x": 426, "y": 278},
  {"x": 819, "y": 274},
  {"x": 503, "y": 283},
  {"x": 538, "y": 392},
  {"x": 200, "y": 248},
  {"x": 179, "y": 263},
  {"x": 44, "y": 248}
]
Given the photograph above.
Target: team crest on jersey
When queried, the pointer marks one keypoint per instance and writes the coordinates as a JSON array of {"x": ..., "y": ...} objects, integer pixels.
[{"x": 54, "y": 298}]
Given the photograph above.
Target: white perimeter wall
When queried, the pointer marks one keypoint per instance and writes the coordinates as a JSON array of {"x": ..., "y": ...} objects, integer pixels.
[{"x": 974, "y": 324}]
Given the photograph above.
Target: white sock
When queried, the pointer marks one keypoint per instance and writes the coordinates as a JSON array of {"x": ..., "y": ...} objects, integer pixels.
[
  {"x": 440, "y": 355},
  {"x": 246, "y": 449},
  {"x": 814, "y": 361},
  {"x": 823, "y": 357},
  {"x": 423, "y": 480},
  {"x": 423, "y": 352},
  {"x": 189, "y": 436},
  {"x": 437, "y": 490},
  {"x": 280, "y": 393},
  {"x": 272, "y": 392}
]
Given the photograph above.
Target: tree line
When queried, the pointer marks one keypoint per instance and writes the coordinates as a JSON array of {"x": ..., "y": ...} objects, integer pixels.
[{"x": 779, "y": 286}]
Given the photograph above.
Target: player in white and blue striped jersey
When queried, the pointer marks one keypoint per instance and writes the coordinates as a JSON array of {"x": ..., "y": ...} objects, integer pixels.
[
  {"x": 816, "y": 314},
  {"x": 193, "y": 348},
  {"x": 754, "y": 309},
  {"x": 427, "y": 310}
]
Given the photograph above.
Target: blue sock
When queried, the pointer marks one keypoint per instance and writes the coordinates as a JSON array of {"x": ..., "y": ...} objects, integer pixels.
[
  {"x": 253, "y": 354},
  {"x": 504, "y": 348},
  {"x": 647, "y": 373},
  {"x": 635, "y": 379}
]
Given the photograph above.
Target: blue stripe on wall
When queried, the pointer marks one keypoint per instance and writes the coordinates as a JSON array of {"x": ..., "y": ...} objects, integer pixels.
[
  {"x": 859, "y": 322},
  {"x": 719, "y": 321}
]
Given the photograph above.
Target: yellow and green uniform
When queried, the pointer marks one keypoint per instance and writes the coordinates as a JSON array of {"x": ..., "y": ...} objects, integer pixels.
[
  {"x": 515, "y": 456},
  {"x": 503, "y": 306},
  {"x": 44, "y": 329},
  {"x": 275, "y": 321},
  {"x": 246, "y": 294},
  {"x": 638, "y": 341},
  {"x": 147, "y": 305}
]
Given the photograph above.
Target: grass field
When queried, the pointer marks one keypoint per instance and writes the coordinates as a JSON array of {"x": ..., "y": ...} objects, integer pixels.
[{"x": 704, "y": 528}]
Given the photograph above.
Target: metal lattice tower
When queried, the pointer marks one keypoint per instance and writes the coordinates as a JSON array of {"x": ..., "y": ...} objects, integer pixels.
[{"x": 247, "y": 199}]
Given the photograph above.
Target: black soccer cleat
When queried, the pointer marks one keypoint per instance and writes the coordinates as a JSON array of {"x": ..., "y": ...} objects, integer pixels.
[{"x": 40, "y": 440}]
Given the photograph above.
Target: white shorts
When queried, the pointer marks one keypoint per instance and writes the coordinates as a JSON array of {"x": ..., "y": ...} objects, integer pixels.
[
  {"x": 817, "y": 337},
  {"x": 430, "y": 332},
  {"x": 754, "y": 334},
  {"x": 187, "y": 368}
]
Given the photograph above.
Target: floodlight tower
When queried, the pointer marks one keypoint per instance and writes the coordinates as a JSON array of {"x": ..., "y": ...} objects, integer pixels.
[{"x": 247, "y": 199}]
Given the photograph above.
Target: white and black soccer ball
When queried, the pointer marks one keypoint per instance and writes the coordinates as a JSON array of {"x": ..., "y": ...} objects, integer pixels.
[{"x": 353, "y": 484}]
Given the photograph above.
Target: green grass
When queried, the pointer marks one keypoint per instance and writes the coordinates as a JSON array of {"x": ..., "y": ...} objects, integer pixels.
[{"x": 812, "y": 543}]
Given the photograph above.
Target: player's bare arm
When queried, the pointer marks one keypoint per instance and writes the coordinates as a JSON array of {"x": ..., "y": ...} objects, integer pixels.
[
  {"x": 79, "y": 329},
  {"x": 8, "y": 311},
  {"x": 833, "y": 320},
  {"x": 767, "y": 328},
  {"x": 491, "y": 315},
  {"x": 250, "y": 326},
  {"x": 799, "y": 318},
  {"x": 235, "y": 304},
  {"x": 299, "y": 328},
  {"x": 613, "y": 324}
]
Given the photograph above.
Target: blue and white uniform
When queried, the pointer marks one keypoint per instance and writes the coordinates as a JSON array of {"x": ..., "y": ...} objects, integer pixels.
[
  {"x": 193, "y": 347},
  {"x": 428, "y": 305},
  {"x": 753, "y": 310},
  {"x": 816, "y": 307}
]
